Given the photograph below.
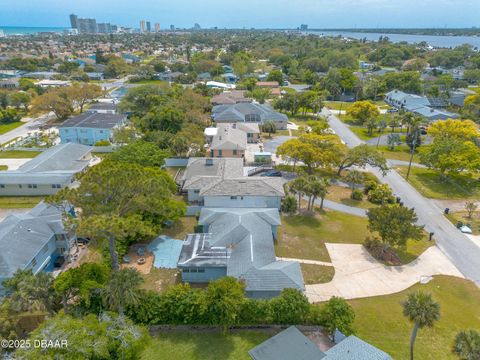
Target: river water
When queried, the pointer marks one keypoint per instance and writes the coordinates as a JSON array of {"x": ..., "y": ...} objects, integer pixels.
[{"x": 435, "y": 41}]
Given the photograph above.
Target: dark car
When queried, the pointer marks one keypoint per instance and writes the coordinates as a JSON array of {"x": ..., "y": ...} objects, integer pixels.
[
  {"x": 59, "y": 261},
  {"x": 272, "y": 173}
]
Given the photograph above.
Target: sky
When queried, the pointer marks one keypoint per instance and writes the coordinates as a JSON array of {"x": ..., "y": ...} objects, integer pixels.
[{"x": 247, "y": 13}]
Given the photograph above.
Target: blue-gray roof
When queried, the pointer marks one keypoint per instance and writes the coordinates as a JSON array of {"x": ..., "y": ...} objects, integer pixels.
[
  {"x": 238, "y": 112},
  {"x": 95, "y": 120},
  {"x": 353, "y": 348},
  {"x": 241, "y": 240},
  {"x": 22, "y": 236},
  {"x": 290, "y": 344}
]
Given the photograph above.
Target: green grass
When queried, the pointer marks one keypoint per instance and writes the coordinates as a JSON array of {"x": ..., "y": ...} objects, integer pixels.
[
  {"x": 413, "y": 249},
  {"x": 19, "y": 202},
  {"x": 161, "y": 279},
  {"x": 143, "y": 82},
  {"x": 401, "y": 152},
  {"x": 336, "y": 105},
  {"x": 204, "y": 346},
  {"x": 317, "y": 274},
  {"x": 3, "y": 167},
  {"x": 362, "y": 132},
  {"x": 183, "y": 226},
  {"x": 474, "y": 222},
  {"x": 18, "y": 154},
  {"x": 379, "y": 320},
  {"x": 342, "y": 195},
  {"x": 4, "y": 128},
  {"x": 429, "y": 184},
  {"x": 304, "y": 236}
]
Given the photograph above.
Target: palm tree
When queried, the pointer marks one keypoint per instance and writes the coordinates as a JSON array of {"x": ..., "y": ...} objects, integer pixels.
[
  {"x": 316, "y": 187},
  {"x": 298, "y": 187},
  {"x": 467, "y": 345},
  {"x": 122, "y": 289},
  {"x": 354, "y": 177},
  {"x": 422, "y": 310}
]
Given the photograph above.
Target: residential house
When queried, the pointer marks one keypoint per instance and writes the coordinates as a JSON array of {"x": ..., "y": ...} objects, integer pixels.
[
  {"x": 251, "y": 129},
  {"x": 273, "y": 86},
  {"x": 53, "y": 83},
  {"x": 229, "y": 78},
  {"x": 102, "y": 108},
  {"x": 292, "y": 344},
  {"x": 33, "y": 240},
  {"x": 41, "y": 74},
  {"x": 239, "y": 242},
  {"x": 429, "y": 108},
  {"x": 219, "y": 85},
  {"x": 90, "y": 127},
  {"x": 230, "y": 98},
  {"x": 205, "y": 76},
  {"x": 131, "y": 59},
  {"x": 10, "y": 74},
  {"x": 168, "y": 75},
  {"x": 228, "y": 142},
  {"x": 95, "y": 75},
  {"x": 202, "y": 172},
  {"x": 12, "y": 83},
  {"x": 50, "y": 171},
  {"x": 249, "y": 113}
]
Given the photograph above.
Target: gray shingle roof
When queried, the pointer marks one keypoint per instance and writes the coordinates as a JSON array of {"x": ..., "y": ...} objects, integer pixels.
[
  {"x": 56, "y": 165},
  {"x": 199, "y": 174},
  {"x": 242, "y": 241},
  {"x": 22, "y": 236},
  {"x": 290, "y": 344},
  {"x": 237, "y": 113},
  {"x": 353, "y": 348},
  {"x": 229, "y": 138},
  {"x": 95, "y": 120},
  {"x": 252, "y": 186}
]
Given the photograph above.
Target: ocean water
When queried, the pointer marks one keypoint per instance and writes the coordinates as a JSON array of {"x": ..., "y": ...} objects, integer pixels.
[
  {"x": 20, "y": 30},
  {"x": 433, "y": 40}
]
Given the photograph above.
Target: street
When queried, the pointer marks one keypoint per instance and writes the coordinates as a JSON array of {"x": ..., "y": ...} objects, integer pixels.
[
  {"x": 461, "y": 250},
  {"x": 23, "y": 130}
]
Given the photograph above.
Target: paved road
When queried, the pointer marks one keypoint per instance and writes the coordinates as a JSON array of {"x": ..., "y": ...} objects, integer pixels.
[
  {"x": 29, "y": 126},
  {"x": 461, "y": 250},
  {"x": 403, "y": 163}
]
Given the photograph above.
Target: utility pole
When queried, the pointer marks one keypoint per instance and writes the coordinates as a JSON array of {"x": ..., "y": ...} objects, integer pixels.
[{"x": 414, "y": 146}]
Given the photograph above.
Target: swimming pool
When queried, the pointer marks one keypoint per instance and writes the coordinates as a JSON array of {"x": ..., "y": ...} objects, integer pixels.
[{"x": 166, "y": 251}]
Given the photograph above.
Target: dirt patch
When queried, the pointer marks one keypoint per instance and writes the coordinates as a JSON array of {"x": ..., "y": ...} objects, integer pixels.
[{"x": 142, "y": 263}]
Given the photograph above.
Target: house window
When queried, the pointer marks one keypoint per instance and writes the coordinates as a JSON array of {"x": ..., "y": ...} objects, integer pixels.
[
  {"x": 20, "y": 186},
  {"x": 45, "y": 249},
  {"x": 60, "y": 237},
  {"x": 233, "y": 198},
  {"x": 196, "y": 191},
  {"x": 2, "y": 186},
  {"x": 219, "y": 152},
  {"x": 185, "y": 270},
  {"x": 32, "y": 186},
  {"x": 34, "y": 262},
  {"x": 200, "y": 270},
  {"x": 56, "y": 186},
  {"x": 235, "y": 152}
]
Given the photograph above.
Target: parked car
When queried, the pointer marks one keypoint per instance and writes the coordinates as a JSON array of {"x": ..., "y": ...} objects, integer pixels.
[
  {"x": 391, "y": 111},
  {"x": 272, "y": 173}
]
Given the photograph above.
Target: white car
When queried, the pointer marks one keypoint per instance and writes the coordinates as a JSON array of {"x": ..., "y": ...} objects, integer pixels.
[{"x": 465, "y": 229}]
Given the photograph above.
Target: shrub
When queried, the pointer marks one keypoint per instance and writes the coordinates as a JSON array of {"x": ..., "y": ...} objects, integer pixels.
[
  {"x": 102, "y": 143},
  {"x": 381, "y": 194},
  {"x": 336, "y": 313},
  {"x": 369, "y": 186},
  {"x": 291, "y": 307},
  {"x": 289, "y": 205},
  {"x": 357, "y": 195}
]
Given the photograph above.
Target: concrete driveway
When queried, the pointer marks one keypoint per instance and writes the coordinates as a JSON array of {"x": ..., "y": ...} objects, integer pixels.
[
  {"x": 13, "y": 164},
  {"x": 359, "y": 275}
]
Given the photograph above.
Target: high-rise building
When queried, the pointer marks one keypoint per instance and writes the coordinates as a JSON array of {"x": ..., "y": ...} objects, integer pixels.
[
  {"x": 73, "y": 21},
  {"x": 87, "y": 26},
  {"x": 304, "y": 27},
  {"x": 104, "y": 28},
  {"x": 197, "y": 26},
  {"x": 142, "y": 26},
  {"x": 149, "y": 27},
  {"x": 157, "y": 27},
  {"x": 172, "y": 27}
]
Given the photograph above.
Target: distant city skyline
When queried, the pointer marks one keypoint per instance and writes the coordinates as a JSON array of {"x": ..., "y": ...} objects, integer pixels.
[{"x": 248, "y": 13}]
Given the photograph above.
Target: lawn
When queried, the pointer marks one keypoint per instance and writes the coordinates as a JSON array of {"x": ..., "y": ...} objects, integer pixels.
[
  {"x": 473, "y": 223},
  {"x": 161, "y": 279},
  {"x": 19, "y": 202},
  {"x": 3, "y": 167},
  {"x": 4, "y": 128},
  {"x": 304, "y": 236},
  {"x": 18, "y": 154},
  {"x": 379, "y": 320},
  {"x": 336, "y": 105},
  {"x": 204, "y": 346},
  {"x": 317, "y": 274},
  {"x": 183, "y": 226},
  {"x": 401, "y": 152},
  {"x": 342, "y": 194},
  {"x": 429, "y": 184},
  {"x": 414, "y": 249}
]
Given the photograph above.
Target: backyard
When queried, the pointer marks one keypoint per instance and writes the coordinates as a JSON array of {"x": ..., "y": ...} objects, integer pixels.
[
  {"x": 18, "y": 154},
  {"x": 429, "y": 184},
  {"x": 379, "y": 320},
  {"x": 4, "y": 128},
  {"x": 204, "y": 346},
  {"x": 19, "y": 202}
]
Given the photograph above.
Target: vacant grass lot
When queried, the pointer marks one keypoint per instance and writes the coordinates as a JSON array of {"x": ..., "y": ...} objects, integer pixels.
[
  {"x": 304, "y": 236},
  {"x": 18, "y": 154},
  {"x": 429, "y": 184},
  {"x": 474, "y": 222},
  {"x": 401, "y": 152},
  {"x": 3, "y": 167},
  {"x": 19, "y": 202},
  {"x": 317, "y": 274},
  {"x": 4, "y": 128},
  {"x": 379, "y": 320},
  {"x": 342, "y": 194},
  {"x": 204, "y": 346}
]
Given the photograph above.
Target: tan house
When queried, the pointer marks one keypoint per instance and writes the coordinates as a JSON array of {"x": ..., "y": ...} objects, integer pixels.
[
  {"x": 228, "y": 142},
  {"x": 274, "y": 86}
]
